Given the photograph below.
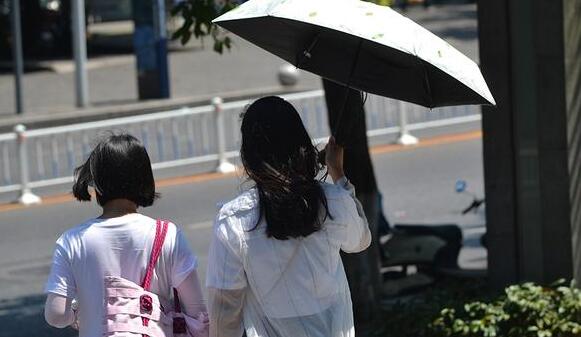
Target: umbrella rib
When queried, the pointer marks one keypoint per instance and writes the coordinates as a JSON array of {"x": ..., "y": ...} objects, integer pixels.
[
  {"x": 427, "y": 80},
  {"x": 306, "y": 54},
  {"x": 355, "y": 60}
]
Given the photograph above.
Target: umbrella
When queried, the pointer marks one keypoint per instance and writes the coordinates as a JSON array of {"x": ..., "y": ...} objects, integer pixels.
[{"x": 363, "y": 46}]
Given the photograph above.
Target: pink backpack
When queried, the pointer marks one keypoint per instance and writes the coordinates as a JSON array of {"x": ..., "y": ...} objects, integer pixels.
[{"x": 131, "y": 310}]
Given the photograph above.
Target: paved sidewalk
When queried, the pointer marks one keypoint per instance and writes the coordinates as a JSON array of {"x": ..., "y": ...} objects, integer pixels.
[{"x": 196, "y": 73}]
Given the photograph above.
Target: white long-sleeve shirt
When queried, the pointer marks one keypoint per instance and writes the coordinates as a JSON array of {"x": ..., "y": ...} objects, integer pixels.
[{"x": 283, "y": 288}]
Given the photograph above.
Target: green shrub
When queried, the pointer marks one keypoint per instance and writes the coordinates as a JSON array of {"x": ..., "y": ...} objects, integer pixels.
[{"x": 526, "y": 310}]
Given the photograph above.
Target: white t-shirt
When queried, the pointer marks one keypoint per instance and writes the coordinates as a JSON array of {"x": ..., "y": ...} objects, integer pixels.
[
  {"x": 290, "y": 288},
  {"x": 117, "y": 247}
]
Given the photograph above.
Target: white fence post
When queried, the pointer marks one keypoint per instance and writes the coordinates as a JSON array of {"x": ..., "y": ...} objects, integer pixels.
[
  {"x": 26, "y": 196},
  {"x": 224, "y": 166},
  {"x": 405, "y": 138}
]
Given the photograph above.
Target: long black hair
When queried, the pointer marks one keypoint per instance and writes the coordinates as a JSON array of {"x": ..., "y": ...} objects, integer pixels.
[
  {"x": 278, "y": 155},
  {"x": 118, "y": 168}
]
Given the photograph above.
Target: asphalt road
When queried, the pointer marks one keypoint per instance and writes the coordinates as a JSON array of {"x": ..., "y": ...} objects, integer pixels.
[{"x": 417, "y": 184}]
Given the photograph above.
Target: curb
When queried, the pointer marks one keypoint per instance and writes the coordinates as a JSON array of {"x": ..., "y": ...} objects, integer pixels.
[{"x": 91, "y": 114}]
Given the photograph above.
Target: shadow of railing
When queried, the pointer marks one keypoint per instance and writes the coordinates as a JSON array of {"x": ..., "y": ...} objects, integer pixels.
[{"x": 24, "y": 317}]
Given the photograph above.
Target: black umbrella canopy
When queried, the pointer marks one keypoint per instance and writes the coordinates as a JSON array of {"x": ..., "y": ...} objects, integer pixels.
[{"x": 356, "y": 62}]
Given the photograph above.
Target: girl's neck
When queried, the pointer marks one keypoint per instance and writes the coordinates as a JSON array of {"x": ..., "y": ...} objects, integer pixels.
[{"x": 117, "y": 208}]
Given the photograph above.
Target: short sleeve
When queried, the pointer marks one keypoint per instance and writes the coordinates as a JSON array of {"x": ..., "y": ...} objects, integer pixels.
[
  {"x": 184, "y": 260},
  {"x": 60, "y": 279},
  {"x": 225, "y": 268}
]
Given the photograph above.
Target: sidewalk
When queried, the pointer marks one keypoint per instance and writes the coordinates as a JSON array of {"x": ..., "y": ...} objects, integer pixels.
[
  {"x": 196, "y": 73},
  {"x": 196, "y": 76}
]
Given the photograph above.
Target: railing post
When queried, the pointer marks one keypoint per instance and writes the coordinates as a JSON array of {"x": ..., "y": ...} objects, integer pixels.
[
  {"x": 26, "y": 196},
  {"x": 405, "y": 138},
  {"x": 80, "y": 52},
  {"x": 224, "y": 166}
]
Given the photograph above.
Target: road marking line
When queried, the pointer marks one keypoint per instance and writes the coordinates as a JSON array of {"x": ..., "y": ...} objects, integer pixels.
[
  {"x": 46, "y": 201},
  {"x": 167, "y": 182},
  {"x": 200, "y": 225},
  {"x": 428, "y": 142},
  {"x": 194, "y": 179},
  {"x": 473, "y": 231}
]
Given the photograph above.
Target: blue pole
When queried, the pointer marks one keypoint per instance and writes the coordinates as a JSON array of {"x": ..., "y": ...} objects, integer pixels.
[
  {"x": 150, "y": 43},
  {"x": 161, "y": 47}
]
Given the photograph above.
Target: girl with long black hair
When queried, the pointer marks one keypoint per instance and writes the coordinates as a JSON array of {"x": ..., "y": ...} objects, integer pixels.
[{"x": 274, "y": 267}]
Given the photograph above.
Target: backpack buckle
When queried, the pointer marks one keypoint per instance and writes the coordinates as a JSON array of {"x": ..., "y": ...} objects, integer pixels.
[{"x": 146, "y": 304}]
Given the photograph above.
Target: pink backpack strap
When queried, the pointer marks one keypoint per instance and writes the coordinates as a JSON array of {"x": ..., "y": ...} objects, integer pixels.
[{"x": 160, "y": 233}]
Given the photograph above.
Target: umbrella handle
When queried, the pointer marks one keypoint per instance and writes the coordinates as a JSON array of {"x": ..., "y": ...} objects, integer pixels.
[
  {"x": 339, "y": 118},
  {"x": 321, "y": 157},
  {"x": 306, "y": 54},
  {"x": 340, "y": 115}
]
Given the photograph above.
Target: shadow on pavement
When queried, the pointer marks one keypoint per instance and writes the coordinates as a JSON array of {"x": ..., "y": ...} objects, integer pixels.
[
  {"x": 444, "y": 13},
  {"x": 113, "y": 102},
  {"x": 98, "y": 47},
  {"x": 23, "y": 317},
  {"x": 459, "y": 33}
]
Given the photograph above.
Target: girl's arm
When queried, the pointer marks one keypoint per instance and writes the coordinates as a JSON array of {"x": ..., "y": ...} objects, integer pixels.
[
  {"x": 226, "y": 279},
  {"x": 58, "y": 311},
  {"x": 191, "y": 296},
  {"x": 226, "y": 312},
  {"x": 360, "y": 237}
]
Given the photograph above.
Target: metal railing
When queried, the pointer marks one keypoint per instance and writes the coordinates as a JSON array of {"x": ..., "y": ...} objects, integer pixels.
[{"x": 187, "y": 136}]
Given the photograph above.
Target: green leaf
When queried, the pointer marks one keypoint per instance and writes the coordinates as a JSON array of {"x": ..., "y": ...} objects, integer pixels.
[
  {"x": 198, "y": 16},
  {"x": 186, "y": 36},
  {"x": 179, "y": 33},
  {"x": 228, "y": 42},
  {"x": 219, "y": 47}
]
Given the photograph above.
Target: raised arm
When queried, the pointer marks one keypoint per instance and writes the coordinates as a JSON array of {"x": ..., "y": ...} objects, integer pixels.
[{"x": 359, "y": 235}]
